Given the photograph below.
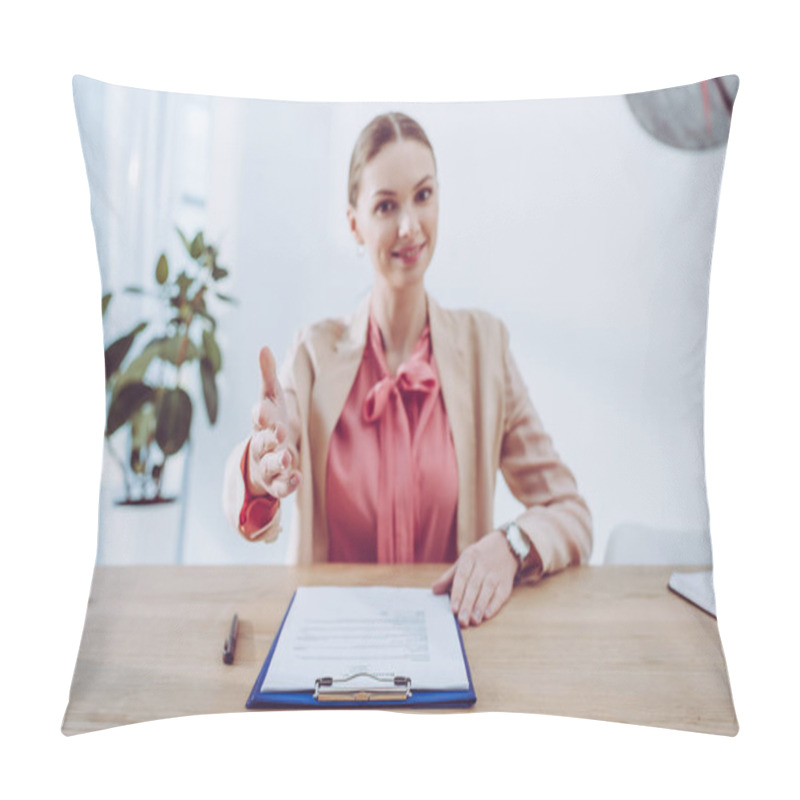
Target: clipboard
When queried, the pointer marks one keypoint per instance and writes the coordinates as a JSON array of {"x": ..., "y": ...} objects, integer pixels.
[{"x": 334, "y": 692}]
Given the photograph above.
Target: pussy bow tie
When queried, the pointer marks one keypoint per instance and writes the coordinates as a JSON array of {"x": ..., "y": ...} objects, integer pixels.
[
  {"x": 396, "y": 512},
  {"x": 415, "y": 375}
]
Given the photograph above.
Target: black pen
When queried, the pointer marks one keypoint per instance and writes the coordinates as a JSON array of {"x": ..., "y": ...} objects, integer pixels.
[{"x": 229, "y": 649}]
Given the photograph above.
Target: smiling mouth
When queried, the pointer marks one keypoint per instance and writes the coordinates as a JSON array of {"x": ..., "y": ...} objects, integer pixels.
[{"x": 409, "y": 253}]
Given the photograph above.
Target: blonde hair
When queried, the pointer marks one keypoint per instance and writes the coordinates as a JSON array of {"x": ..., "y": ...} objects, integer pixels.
[{"x": 385, "y": 128}]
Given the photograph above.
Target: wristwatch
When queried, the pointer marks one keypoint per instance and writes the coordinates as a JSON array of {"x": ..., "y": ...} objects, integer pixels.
[{"x": 520, "y": 546}]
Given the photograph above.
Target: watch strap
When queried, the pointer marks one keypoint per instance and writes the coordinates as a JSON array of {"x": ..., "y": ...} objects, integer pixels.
[{"x": 528, "y": 560}]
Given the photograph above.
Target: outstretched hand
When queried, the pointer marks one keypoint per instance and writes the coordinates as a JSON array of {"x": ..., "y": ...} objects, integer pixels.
[
  {"x": 271, "y": 467},
  {"x": 481, "y": 580}
]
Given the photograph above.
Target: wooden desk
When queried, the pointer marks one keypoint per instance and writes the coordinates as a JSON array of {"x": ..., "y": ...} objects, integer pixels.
[{"x": 607, "y": 643}]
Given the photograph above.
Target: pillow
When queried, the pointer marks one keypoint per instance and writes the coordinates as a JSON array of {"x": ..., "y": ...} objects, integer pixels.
[{"x": 585, "y": 225}]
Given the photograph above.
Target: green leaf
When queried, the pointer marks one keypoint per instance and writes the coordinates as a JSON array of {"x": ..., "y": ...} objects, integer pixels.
[
  {"x": 162, "y": 270},
  {"x": 173, "y": 420},
  {"x": 106, "y": 301},
  {"x": 185, "y": 241},
  {"x": 209, "y": 257},
  {"x": 211, "y": 350},
  {"x": 128, "y": 401},
  {"x": 157, "y": 342},
  {"x": 227, "y": 298},
  {"x": 184, "y": 282},
  {"x": 143, "y": 426},
  {"x": 170, "y": 350},
  {"x": 136, "y": 461},
  {"x": 136, "y": 369},
  {"x": 197, "y": 246},
  {"x": 199, "y": 302},
  {"x": 218, "y": 273},
  {"x": 116, "y": 352},
  {"x": 206, "y": 315},
  {"x": 209, "y": 388}
]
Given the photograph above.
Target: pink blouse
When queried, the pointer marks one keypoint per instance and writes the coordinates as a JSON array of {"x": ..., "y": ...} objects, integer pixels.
[{"x": 392, "y": 477}]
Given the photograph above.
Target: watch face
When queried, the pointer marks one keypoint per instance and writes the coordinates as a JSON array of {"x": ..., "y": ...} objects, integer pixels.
[{"x": 517, "y": 541}]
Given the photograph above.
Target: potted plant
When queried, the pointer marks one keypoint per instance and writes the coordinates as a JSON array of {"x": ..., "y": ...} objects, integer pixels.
[{"x": 149, "y": 388}]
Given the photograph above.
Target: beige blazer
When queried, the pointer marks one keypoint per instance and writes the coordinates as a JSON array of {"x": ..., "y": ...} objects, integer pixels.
[{"x": 493, "y": 422}]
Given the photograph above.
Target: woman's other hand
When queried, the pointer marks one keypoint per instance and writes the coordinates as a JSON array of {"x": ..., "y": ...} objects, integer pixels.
[
  {"x": 271, "y": 468},
  {"x": 481, "y": 579}
]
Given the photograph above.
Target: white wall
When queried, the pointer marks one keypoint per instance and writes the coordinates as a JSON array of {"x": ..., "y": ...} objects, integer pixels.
[{"x": 588, "y": 237}]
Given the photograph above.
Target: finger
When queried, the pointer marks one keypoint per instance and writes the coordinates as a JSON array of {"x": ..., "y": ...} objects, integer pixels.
[
  {"x": 285, "y": 484},
  {"x": 443, "y": 582},
  {"x": 482, "y": 601},
  {"x": 274, "y": 463},
  {"x": 259, "y": 415},
  {"x": 498, "y": 600},
  {"x": 464, "y": 567},
  {"x": 471, "y": 591},
  {"x": 270, "y": 387},
  {"x": 263, "y": 442},
  {"x": 265, "y": 415}
]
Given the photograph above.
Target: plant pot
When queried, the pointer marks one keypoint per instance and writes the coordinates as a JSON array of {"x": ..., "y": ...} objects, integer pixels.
[{"x": 137, "y": 531}]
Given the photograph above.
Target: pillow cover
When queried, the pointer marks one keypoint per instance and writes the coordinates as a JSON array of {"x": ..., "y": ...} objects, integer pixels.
[{"x": 585, "y": 225}]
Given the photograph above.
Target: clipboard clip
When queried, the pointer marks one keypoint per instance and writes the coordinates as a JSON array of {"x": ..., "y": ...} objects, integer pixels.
[{"x": 364, "y": 687}]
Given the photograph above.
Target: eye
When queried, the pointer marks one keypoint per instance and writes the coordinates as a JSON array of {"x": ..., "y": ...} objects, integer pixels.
[
  {"x": 384, "y": 207},
  {"x": 424, "y": 194}
]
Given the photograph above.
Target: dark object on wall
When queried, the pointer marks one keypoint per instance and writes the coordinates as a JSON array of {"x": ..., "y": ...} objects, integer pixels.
[{"x": 695, "y": 117}]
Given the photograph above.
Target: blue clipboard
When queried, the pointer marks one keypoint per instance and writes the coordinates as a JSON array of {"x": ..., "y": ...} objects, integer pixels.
[{"x": 307, "y": 699}]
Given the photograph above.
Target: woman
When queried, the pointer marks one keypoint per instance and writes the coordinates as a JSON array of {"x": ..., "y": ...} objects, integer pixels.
[{"x": 393, "y": 423}]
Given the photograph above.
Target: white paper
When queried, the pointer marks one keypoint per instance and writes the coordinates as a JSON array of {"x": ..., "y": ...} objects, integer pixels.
[
  {"x": 338, "y": 632},
  {"x": 696, "y": 587}
]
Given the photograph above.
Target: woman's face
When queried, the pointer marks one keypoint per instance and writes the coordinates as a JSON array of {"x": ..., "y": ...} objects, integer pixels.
[{"x": 397, "y": 213}]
